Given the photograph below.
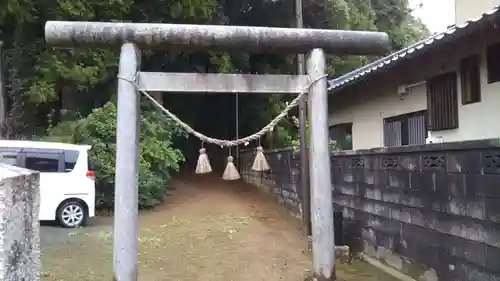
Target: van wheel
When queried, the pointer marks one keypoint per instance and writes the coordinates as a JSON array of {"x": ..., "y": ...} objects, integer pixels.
[{"x": 72, "y": 214}]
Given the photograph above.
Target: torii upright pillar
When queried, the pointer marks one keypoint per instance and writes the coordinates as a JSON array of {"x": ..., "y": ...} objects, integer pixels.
[{"x": 132, "y": 36}]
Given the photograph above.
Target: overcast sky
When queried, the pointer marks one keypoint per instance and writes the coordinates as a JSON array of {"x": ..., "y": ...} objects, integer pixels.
[{"x": 436, "y": 14}]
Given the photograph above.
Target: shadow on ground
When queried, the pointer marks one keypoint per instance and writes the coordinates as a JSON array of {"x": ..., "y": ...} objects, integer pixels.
[{"x": 210, "y": 230}]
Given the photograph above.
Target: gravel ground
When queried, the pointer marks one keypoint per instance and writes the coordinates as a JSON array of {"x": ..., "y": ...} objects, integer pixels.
[{"x": 53, "y": 236}]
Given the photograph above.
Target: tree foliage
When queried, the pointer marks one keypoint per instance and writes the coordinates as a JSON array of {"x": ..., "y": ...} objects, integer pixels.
[
  {"x": 44, "y": 84},
  {"x": 41, "y": 72},
  {"x": 157, "y": 155}
]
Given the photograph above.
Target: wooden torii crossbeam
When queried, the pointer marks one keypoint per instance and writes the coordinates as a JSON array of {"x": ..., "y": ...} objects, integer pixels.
[{"x": 132, "y": 36}]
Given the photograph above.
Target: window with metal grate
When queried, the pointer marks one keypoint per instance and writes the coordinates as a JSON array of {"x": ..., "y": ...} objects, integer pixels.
[{"x": 442, "y": 103}]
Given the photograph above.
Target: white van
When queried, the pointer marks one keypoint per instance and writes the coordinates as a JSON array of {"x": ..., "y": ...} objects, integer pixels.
[{"x": 67, "y": 186}]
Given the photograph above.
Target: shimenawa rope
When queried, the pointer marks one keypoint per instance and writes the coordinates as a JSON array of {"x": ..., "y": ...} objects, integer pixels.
[{"x": 220, "y": 142}]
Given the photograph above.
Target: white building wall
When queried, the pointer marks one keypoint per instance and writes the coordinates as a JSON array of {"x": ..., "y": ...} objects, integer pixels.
[
  {"x": 478, "y": 120},
  {"x": 368, "y": 104},
  {"x": 367, "y": 117}
]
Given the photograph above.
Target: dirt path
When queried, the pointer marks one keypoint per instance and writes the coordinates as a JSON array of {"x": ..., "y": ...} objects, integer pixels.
[
  {"x": 235, "y": 234},
  {"x": 211, "y": 230}
]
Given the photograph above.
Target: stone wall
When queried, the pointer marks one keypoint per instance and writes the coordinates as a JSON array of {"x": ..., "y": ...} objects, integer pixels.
[
  {"x": 430, "y": 211},
  {"x": 19, "y": 226},
  {"x": 283, "y": 180}
]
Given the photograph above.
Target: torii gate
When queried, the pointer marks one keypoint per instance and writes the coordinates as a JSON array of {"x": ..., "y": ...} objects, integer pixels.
[{"x": 223, "y": 38}]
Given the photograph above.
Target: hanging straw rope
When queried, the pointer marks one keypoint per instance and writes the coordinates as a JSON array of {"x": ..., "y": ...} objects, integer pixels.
[
  {"x": 230, "y": 172},
  {"x": 203, "y": 165},
  {"x": 260, "y": 162},
  {"x": 221, "y": 142}
]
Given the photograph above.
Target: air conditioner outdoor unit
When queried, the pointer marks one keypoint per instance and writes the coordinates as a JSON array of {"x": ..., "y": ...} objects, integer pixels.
[{"x": 403, "y": 90}]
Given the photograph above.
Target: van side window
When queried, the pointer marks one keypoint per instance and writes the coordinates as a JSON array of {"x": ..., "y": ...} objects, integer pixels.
[
  {"x": 70, "y": 158},
  {"x": 9, "y": 158},
  {"x": 9, "y": 155},
  {"x": 42, "y": 162}
]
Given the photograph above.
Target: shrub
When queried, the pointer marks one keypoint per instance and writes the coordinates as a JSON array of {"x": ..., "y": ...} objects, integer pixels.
[
  {"x": 296, "y": 142},
  {"x": 157, "y": 157}
]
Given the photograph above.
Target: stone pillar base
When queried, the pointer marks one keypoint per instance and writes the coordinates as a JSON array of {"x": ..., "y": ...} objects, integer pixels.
[{"x": 342, "y": 253}]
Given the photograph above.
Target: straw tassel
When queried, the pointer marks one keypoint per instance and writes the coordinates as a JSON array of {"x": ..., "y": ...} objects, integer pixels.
[
  {"x": 260, "y": 163},
  {"x": 203, "y": 165},
  {"x": 230, "y": 173}
]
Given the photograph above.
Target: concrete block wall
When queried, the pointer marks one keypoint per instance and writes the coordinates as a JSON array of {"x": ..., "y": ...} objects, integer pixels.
[
  {"x": 19, "y": 225},
  {"x": 282, "y": 181},
  {"x": 430, "y": 211}
]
